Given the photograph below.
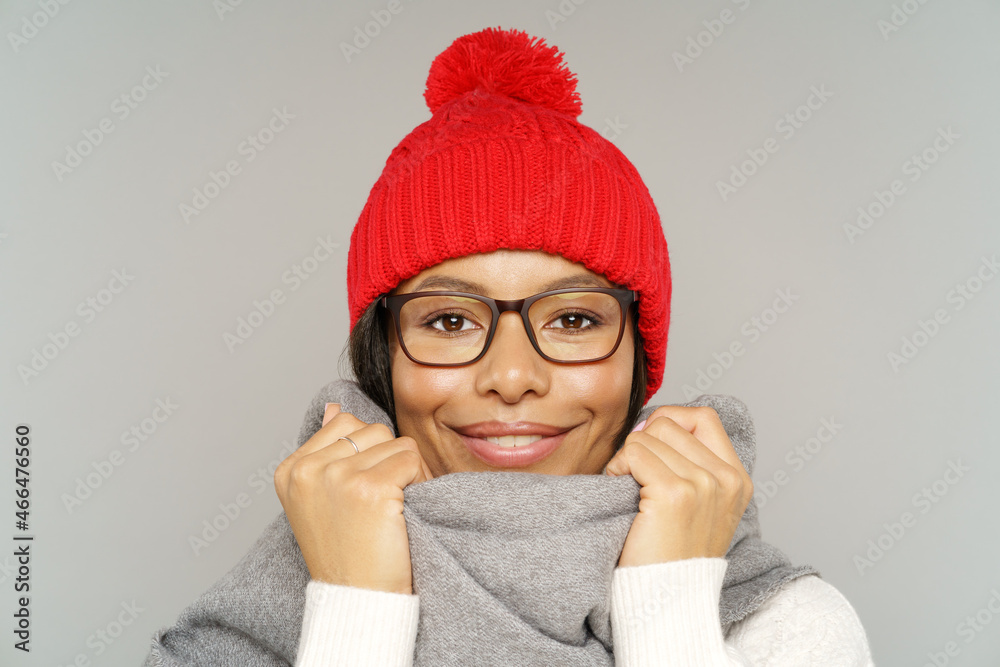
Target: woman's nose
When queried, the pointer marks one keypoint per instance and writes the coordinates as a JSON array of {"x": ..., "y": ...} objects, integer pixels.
[{"x": 512, "y": 366}]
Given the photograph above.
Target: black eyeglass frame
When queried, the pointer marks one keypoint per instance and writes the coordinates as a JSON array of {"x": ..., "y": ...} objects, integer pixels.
[{"x": 625, "y": 298}]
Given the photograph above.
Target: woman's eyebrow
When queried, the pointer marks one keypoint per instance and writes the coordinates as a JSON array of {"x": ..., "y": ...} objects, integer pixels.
[{"x": 462, "y": 285}]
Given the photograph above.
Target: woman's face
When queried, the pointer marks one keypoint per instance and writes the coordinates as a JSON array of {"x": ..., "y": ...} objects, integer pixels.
[{"x": 511, "y": 382}]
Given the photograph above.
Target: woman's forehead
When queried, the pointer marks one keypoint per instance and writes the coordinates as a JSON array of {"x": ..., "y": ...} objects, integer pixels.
[{"x": 507, "y": 270}]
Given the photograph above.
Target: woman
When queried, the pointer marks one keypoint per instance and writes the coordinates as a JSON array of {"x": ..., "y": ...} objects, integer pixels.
[{"x": 504, "y": 202}]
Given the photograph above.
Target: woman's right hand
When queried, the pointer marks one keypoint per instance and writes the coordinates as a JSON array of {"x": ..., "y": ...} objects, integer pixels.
[{"x": 346, "y": 508}]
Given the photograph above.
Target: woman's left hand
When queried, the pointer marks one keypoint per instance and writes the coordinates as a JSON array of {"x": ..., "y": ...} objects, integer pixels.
[{"x": 694, "y": 487}]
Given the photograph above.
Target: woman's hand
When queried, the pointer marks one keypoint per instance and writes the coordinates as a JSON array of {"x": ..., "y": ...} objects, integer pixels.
[
  {"x": 346, "y": 508},
  {"x": 694, "y": 487}
]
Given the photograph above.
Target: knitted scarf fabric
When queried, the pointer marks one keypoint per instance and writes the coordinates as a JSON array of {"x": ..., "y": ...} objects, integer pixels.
[{"x": 511, "y": 568}]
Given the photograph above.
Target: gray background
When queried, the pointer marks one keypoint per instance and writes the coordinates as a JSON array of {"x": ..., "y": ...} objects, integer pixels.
[{"x": 826, "y": 357}]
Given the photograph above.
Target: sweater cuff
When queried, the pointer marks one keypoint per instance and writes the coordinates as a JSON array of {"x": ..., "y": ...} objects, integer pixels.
[
  {"x": 669, "y": 613},
  {"x": 344, "y": 625}
]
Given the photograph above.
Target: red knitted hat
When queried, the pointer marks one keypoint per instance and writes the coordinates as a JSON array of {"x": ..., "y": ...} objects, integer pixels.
[{"x": 503, "y": 163}]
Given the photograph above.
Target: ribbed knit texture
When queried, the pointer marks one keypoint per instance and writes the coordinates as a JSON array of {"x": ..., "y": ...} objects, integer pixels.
[
  {"x": 671, "y": 612},
  {"x": 807, "y": 621},
  {"x": 491, "y": 171},
  {"x": 347, "y": 623}
]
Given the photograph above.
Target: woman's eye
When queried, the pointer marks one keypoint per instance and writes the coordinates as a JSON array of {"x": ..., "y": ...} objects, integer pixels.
[
  {"x": 449, "y": 323},
  {"x": 574, "y": 321}
]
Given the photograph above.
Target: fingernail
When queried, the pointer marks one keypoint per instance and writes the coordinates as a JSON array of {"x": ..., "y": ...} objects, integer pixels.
[
  {"x": 332, "y": 409},
  {"x": 641, "y": 425}
]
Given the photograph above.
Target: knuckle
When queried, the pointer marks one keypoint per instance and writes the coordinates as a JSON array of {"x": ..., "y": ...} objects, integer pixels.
[
  {"x": 303, "y": 472},
  {"x": 706, "y": 412},
  {"x": 684, "y": 494},
  {"x": 737, "y": 484},
  {"x": 660, "y": 419},
  {"x": 730, "y": 478},
  {"x": 282, "y": 474},
  {"x": 334, "y": 472},
  {"x": 630, "y": 448},
  {"x": 345, "y": 420},
  {"x": 703, "y": 479},
  {"x": 662, "y": 412},
  {"x": 411, "y": 456},
  {"x": 408, "y": 442},
  {"x": 384, "y": 432}
]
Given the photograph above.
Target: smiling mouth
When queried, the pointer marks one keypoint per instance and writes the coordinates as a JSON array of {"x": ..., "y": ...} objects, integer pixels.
[
  {"x": 513, "y": 451},
  {"x": 511, "y": 441}
]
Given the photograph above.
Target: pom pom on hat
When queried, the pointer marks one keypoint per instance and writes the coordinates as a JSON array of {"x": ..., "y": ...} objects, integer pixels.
[{"x": 503, "y": 62}]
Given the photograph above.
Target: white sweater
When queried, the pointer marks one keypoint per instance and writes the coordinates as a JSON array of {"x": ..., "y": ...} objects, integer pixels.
[{"x": 664, "y": 614}]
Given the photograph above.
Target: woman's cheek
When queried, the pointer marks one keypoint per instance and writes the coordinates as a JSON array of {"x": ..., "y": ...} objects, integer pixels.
[
  {"x": 600, "y": 385},
  {"x": 420, "y": 392}
]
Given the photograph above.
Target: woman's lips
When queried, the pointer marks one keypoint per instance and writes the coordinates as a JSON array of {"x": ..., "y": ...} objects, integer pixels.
[{"x": 512, "y": 457}]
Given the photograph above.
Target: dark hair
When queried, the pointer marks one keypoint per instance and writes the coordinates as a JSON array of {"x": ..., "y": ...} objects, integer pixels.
[{"x": 368, "y": 350}]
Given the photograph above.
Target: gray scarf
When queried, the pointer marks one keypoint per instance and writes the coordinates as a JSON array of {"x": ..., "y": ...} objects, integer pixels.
[{"x": 511, "y": 568}]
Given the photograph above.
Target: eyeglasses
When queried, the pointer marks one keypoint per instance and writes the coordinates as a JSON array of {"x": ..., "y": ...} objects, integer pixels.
[{"x": 567, "y": 326}]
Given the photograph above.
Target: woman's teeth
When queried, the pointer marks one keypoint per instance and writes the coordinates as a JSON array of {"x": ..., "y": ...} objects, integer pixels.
[{"x": 515, "y": 440}]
